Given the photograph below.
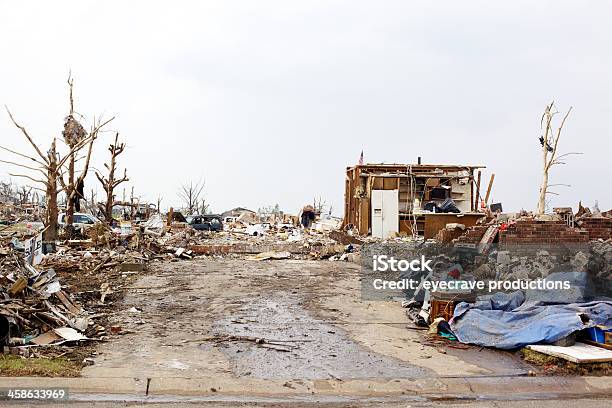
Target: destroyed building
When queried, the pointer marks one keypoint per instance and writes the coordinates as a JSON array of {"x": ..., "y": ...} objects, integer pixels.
[
  {"x": 410, "y": 199},
  {"x": 240, "y": 213}
]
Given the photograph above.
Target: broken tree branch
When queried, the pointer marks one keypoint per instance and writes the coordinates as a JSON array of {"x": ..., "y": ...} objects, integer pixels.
[
  {"x": 25, "y": 133},
  {"x": 22, "y": 155},
  {"x": 28, "y": 177},
  {"x": 22, "y": 165}
]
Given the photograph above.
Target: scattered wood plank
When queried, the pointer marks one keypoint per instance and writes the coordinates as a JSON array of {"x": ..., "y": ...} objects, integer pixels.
[
  {"x": 596, "y": 344},
  {"x": 18, "y": 287},
  {"x": 101, "y": 264},
  {"x": 578, "y": 353},
  {"x": 489, "y": 189},
  {"x": 66, "y": 302},
  {"x": 275, "y": 347},
  {"x": 487, "y": 239},
  {"x": 344, "y": 238}
]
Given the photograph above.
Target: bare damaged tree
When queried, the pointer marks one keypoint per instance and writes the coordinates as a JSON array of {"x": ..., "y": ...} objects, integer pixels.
[
  {"x": 190, "y": 194},
  {"x": 92, "y": 203},
  {"x": 550, "y": 142},
  {"x": 24, "y": 193},
  {"x": 50, "y": 166},
  {"x": 73, "y": 134},
  {"x": 6, "y": 190},
  {"x": 159, "y": 200},
  {"x": 319, "y": 205},
  {"x": 110, "y": 183},
  {"x": 203, "y": 206}
]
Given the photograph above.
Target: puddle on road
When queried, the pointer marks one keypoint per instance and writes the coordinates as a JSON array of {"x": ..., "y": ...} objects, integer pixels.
[{"x": 319, "y": 349}]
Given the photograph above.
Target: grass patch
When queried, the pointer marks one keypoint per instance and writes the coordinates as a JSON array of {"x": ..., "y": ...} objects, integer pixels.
[
  {"x": 556, "y": 365},
  {"x": 16, "y": 366}
]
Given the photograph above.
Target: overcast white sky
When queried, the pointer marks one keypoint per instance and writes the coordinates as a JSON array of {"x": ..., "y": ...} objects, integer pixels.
[{"x": 269, "y": 101}]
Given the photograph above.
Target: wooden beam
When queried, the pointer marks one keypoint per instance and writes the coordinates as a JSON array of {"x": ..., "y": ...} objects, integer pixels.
[
  {"x": 472, "y": 191},
  {"x": 489, "y": 189},
  {"x": 477, "y": 198}
]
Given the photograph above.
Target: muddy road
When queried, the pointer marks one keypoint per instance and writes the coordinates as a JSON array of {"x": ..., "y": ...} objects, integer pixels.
[{"x": 200, "y": 320}]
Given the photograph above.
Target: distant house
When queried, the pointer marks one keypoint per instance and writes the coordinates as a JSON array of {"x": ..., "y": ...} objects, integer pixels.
[{"x": 243, "y": 214}]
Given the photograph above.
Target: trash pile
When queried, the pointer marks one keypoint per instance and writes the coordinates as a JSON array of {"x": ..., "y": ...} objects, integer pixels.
[
  {"x": 64, "y": 297},
  {"x": 61, "y": 293},
  {"x": 36, "y": 310},
  {"x": 574, "y": 252}
]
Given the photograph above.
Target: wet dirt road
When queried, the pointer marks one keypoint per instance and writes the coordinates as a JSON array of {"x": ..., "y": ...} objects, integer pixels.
[{"x": 199, "y": 320}]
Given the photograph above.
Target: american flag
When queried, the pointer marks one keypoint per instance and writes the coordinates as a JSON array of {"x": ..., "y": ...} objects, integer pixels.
[{"x": 361, "y": 159}]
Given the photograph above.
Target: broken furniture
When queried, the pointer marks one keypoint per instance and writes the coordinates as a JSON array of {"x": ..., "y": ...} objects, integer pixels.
[{"x": 387, "y": 199}]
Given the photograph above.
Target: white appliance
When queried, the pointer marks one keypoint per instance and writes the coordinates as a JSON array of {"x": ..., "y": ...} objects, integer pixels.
[{"x": 385, "y": 213}]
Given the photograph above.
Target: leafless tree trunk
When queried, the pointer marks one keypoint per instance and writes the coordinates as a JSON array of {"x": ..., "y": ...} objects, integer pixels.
[
  {"x": 190, "y": 194},
  {"x": 550, "y": 142},
  {"x": 319, "y": 205},
  {"x": 132, "y": 204},
  {"x": 24, "y": 194},
  {"x": 51, "y": 194},
  {"x": 51, "y": 165},
  {"x": 6, "y": 190},
  {"x": 159, "y": 200},
  {"x": 73, "y": 134},
  {"x": 203, "y": 206},
  {"x": 110, "y": 183}
]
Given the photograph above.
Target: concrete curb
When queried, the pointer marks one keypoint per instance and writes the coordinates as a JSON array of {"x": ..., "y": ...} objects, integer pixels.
[{"x": 494, "y": 388}]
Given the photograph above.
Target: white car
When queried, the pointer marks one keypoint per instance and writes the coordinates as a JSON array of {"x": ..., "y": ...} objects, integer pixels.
[{"x": 79, "y": 220}]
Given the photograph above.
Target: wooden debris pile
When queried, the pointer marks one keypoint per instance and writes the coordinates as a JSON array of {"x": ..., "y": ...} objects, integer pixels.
[{"x": 35, "y": 309}]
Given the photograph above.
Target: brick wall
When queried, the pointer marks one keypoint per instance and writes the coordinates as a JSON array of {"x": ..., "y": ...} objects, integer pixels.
[
  {"x": 597, "y": 227},
  {"x": 533, "y": 232}
]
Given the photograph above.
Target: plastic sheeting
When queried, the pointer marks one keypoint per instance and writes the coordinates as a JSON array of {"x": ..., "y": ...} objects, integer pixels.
[{"x": 499, "y": 321}]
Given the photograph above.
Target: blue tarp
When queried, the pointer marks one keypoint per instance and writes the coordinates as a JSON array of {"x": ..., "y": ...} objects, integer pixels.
[{"x": 500, "y": 322}]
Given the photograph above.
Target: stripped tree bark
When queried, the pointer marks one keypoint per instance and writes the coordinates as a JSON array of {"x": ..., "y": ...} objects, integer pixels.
[
  {"x": 110, "y": 183},
  {"x": 73, "y": 134},
  {"x": 550, "y": 142},
  {"x": 51, "y": 166}
]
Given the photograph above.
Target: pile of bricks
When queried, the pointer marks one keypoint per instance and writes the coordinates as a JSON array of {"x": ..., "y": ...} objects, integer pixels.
[
  {"x": 473, "y": 235},
  {"x": 597, "y": 227},
  {"x": 446, "y": 235},
  {"x": 534, "y": 232}
]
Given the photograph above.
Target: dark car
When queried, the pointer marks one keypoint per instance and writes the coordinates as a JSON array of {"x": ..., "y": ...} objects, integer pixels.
[{"x": 205, "y": 222}]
